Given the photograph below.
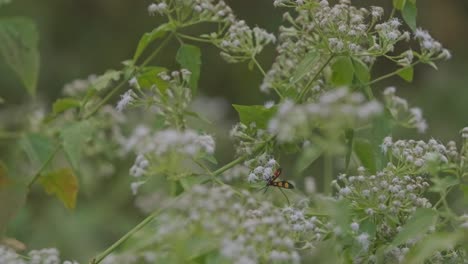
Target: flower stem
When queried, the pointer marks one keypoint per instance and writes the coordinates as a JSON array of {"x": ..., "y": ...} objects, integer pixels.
[
  {"x": 44, "y": 165},
  {"x": 388, "y": 75},
  {"x": 119, "y": 242},
  {"x": 306, "y": 88}
]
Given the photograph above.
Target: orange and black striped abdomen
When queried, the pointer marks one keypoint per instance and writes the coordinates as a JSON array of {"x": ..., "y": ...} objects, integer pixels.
[{"x": 283, "y": 184}]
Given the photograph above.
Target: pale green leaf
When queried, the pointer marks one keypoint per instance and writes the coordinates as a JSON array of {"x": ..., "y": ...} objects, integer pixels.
[
  {"x": 63, "y": 104},
  {"x": 431, "y": 244},
  {"x": 406, "y": 73},
  {"x": 74, "y": 136},
  {"x": 399, "y": 4},
  {"x": 305, "y": 66},
  {"x": 63, "y": 184},
  {"x": 189, "y": 57},
  {"x": 361, "y": 71},
  {"x": 19, "y": 41},
  {"x": 418, "y": 225},
  {"x": 104, "y": 80},
  {"x": 342, "y": 71},
  {"x": 258, "y": 114},
  {"x": 148, "y": 77}
]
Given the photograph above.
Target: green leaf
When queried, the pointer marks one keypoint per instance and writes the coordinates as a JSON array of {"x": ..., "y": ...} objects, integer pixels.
[
  {"x": 442, "y": 184},
  {"x": 37, "y": 147},
  {"x": 399, "y": 4},
  {"x": 418, "y": 225},
  {"x": 148, "y": 77},
  {"x": 188, "y": 182},
  {"x": 305, "y": 66},
  {"x": 382, "y": 127},
  {"x": 63, "y": 183},
  {"x": 409, "y": 14},
  {"x": 104, "y": 80},
  {"x": 307, "y": 157},
  {"x": 258, "y": 114},
  {"x": 365, "y": 152},
  {"x": 19, "y": 41},
  {"x": 189, "y": 57},
  {"x": 63, "y": 104},
  {"x": 74, "y": 137},
  {"x": 361, "y": 71},
  {"x": 197, "y": 116},
  {"x": 432, "y": 243},
  {"x": 147, "y": 38},
  {"x": 12, "y": 197},
  {"x": 464, "y": 189},
  {"x": 406, "y": 73},
  {"x": 2, "y": 101},
  {"x": 342, "y": 71}
]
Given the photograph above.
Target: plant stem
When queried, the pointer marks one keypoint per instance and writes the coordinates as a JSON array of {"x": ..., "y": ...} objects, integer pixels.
[
  {"x": 328, "y": 173},
  {"x": 306, "y": 88},
  {"x": 44, "y": 165},
  {"x": 260, "y": 68},
  {"x": 119, "y": 242},
  {"x": 388, "y": 75},
  {"x": 156, "y": 51}
]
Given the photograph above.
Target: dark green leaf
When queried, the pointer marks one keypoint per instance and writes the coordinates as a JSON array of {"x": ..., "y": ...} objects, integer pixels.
[
  {"x": 432, "y": 243},
  {"x": 147, "y": 38},
  {"x": 305, "y": 66},
  {"x": 12, "y": 197},
  {"x": 406, "y": 73},
  {"x": 361, "y": 71},
  {"x": 365, "y": 152},
  {"x": 257, "y": 114},
  {"x": 307, "y": 157},
  {"x": 399, "y": 4},
  {"x": 418, "y": 225},
  {"x": 64, "y": 104},
  {"x": 409, "y": 14},
  {"x": 63, "y": 183},
  {"x": 74, "y": 137},
  {"x": 19, "y": 41},
  {"x": 189, "y": 57},
  {"x": 464, "y": 189},
  {"x": 342, "y": 71},
  {"x": 37, "y": 147},
  {"x": 148, "y": 77},
  {"x": 104, "y": 80}
]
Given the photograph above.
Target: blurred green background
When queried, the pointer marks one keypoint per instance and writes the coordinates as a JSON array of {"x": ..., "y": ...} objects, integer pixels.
[{"x": 83, "y": 37}]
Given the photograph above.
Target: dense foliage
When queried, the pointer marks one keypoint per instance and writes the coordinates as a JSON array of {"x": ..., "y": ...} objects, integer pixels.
[{"x": 381, "y": 200}]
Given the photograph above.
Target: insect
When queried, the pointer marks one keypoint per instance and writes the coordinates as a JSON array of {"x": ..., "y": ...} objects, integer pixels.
[{"x": 280, "y": 184}]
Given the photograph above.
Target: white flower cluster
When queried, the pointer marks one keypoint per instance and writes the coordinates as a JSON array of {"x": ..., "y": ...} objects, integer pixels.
[
  {"x": 248, "y": 231},
  {"x": 126, "y": 99},
  {"x": 247, "y": 137},
  {"x": 264, "y": 170},
  {"x": 310, "y": 229},
  {"x": 241, "y": 42},
  {"x": 200, "y": 10},
  {"x": 430, "y": 48},
  {"x": 42, "y": 256},
  {"x": 418, "y": 154},
  {"x": 334, "y": 110},
  {"x": 78, "y": 86},
  {"x": 383, "y": 195},
  {"x": 402, "y": 113}
]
